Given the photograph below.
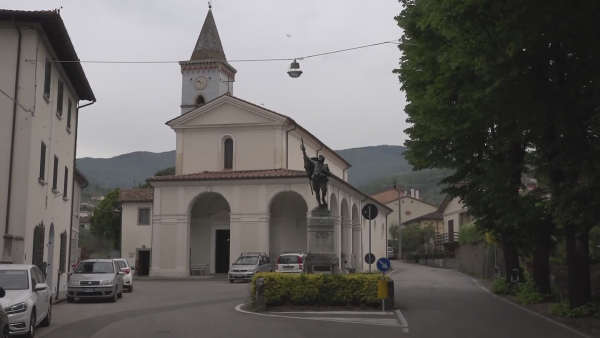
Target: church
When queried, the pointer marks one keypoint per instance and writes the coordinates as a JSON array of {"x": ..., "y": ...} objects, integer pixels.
[{"x": 240, "y": 184}]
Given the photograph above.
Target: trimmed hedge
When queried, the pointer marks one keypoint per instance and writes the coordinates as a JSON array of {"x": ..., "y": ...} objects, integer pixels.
[{"x": 316, "y": 289}]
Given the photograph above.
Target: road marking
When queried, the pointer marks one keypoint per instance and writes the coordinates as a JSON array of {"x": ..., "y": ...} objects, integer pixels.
[
  {"x": 402, "y": 320},
  {"x": 337, "y": 312},
  {"x": 351, "y": 320},
  {"x": 527, "y": 310},
  {"x": 391, "y": 272}
]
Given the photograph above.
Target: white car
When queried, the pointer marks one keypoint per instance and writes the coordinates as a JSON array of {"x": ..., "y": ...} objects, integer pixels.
[
  {"x": 28, "y": 299},
  {"x": 290, "y": 262},
  {"x": 127, "y": 273}
]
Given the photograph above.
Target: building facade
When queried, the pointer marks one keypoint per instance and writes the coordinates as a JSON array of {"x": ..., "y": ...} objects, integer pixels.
[
  {"x": 39, "y": 112},
  {"x": 240, "y": 183}
]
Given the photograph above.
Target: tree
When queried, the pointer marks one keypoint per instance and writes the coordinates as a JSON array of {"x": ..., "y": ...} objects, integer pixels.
[
  {"x": 166, "y": 172},
  {"x": 106, "y": 219},
  {"x": 414, "y": 237},
  {"x": 497, "y": 87}
]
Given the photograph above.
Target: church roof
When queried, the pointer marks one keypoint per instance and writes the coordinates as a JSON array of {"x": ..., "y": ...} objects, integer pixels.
[
  {"x": 208, "y": 46},
  {"x": 232, "y": 175}
]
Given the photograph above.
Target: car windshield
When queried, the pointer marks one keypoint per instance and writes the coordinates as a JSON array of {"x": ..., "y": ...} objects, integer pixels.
[
  {"x": 246, "y": 261},
  {"x": 14, "y": 280},
  {"x": 95, "y": 267},
  {"x": 292, "y": 259},
  {"x": 121, "y": 264}
]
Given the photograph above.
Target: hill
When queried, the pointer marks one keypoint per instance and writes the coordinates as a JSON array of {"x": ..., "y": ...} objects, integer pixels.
[{"x": 370, "y": 163}]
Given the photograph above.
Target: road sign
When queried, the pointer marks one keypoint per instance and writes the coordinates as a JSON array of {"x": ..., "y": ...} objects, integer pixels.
[
  {"x": 370, "y": 215},
  {"x": 370, "y": 258},
  {"x": 383, "y": 264}
]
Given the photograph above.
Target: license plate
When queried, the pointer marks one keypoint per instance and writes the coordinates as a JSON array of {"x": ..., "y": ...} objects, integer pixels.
[
  {"x": 89, "y": 290},
  {"x": 288, "y": 267}
]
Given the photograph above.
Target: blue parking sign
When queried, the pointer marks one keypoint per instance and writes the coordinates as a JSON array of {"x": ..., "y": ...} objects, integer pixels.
[{"x": 383, "y": 264}]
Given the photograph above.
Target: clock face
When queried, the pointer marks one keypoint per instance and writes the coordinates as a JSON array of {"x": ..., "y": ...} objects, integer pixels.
[{"x": 200, "y": 82}]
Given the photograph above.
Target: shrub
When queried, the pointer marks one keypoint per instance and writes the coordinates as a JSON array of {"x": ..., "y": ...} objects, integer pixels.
[
  {"x": 469, "y": 234},
  {"x": 564, "y": 310},
  {"x": 344, "y": 290},
  {"x": 527, "y": 293},
  {"x": 500, "y": 286}
]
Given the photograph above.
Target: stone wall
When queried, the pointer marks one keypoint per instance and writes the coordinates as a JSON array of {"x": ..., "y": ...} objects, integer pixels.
[
  {"x": 478, "y": 259},
  {"x": 445, "y": 263},
  {"x": 559, "y": 279}
]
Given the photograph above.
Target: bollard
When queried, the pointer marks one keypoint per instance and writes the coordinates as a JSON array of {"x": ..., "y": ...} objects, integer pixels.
[
  {"x": 260, "y": 304},
  {"x": 389, "y": 301}
]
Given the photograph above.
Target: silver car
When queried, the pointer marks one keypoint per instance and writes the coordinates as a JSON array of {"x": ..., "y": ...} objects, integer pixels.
[
  {"x": 247, "y": 265},
  {"x": 96, "y": 278}
]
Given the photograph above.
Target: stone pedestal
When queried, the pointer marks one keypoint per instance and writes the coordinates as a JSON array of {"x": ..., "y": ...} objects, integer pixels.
[{"x": 320, "y": 256}]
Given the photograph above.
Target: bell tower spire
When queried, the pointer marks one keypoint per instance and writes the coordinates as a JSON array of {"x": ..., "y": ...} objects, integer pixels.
[{"x": 207, "y": 75}]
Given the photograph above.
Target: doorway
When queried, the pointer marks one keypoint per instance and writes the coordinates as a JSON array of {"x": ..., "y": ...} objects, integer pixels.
[
  {"x": 50, "y": 266},
  {"x": 222, "y": 251},
  {"x": 143, "y": 263},
  {"x": 451, "y": 230}
]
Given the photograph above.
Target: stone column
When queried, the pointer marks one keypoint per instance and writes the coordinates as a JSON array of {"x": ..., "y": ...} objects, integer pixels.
[
  {"x": 357, "y": 245},
  {"x": 170, "y": 247},
  {"x": 347, "y": 244},
  {"x": 337, "y": 234}
]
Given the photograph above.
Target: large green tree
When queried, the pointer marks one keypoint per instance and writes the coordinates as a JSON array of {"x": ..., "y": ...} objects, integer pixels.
[
  {"x": 496, "y": 85},
  {"x": 106, "y": 219}
]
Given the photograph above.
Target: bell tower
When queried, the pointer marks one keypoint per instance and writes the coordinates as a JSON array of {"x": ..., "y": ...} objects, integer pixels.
[{"x": 207, "y": 75}]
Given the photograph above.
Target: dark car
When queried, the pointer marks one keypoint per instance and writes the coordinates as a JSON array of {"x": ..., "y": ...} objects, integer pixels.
[{"x": 3, "y": 318}]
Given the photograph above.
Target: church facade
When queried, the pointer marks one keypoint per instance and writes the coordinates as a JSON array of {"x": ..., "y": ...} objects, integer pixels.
[{"x": 240, "y": 184}]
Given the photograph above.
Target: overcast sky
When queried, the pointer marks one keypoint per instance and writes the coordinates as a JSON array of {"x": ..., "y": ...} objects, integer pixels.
[{"x": 348, "y": 100}]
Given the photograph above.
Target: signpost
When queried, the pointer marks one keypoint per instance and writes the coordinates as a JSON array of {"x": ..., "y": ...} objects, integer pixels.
[
  {"x": 369, "y": 211},
  {"x": 383, "y": 265},
  {"x": 369, "y": 258}
]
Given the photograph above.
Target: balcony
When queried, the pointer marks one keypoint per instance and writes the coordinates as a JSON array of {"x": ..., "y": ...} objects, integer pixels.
[{"x": 447, "y": 238}]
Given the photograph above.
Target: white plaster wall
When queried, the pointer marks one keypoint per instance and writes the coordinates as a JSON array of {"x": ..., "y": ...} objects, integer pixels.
[
  {"x": 453, "y": 209},
  {"x": 133, "y": 235}
]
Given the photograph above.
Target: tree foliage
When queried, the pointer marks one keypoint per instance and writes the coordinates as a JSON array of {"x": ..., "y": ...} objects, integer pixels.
[
  {"x": 106, "y": 219},
  {"x": 414, "y": 238},
  {"x": 166, "y": 172}
]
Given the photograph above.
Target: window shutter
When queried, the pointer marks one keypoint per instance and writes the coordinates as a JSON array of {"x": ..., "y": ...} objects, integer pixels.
[
  {"x": 59, "y": 98},
  {"x": 69, "y": 114},
  {"x": 55, "y": 177},
  {"x": 38, "y": 244},
  {"x": 228, "y": 154},
  {"x": 63, "y": 253},
  {"x": 66, "y": 183},
  {"x": 43, "y": 162},
  {"x": 48, "y": 79}
]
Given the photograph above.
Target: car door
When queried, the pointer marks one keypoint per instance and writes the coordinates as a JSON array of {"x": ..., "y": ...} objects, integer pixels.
[
  {"x": 118, "y": 277},
  {"x": 46, "y": 294},
  {"x": 36, "y": 297}
]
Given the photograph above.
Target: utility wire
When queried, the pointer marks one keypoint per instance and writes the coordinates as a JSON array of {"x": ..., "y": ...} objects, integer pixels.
[{"x": 240, "y": 60}]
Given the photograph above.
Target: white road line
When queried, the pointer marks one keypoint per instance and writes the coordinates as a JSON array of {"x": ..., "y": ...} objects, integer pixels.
[
  {"x": 387, "y": 313},
  {"x": 527, "y": 310},
  {"x": 391, "y": 272},
  {"x": 239, "y": 309},
  {"x": 402, "y": 320}
]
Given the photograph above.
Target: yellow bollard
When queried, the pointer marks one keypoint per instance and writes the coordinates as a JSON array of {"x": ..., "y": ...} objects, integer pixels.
[{"x": 382, "y": 289}]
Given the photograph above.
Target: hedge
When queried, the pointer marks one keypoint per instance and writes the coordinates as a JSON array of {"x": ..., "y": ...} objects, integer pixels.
[{"x": 318, "y": 289}]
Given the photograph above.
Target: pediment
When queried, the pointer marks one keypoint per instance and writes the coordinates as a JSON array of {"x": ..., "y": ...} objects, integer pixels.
[{"x": 226, "y": 110}]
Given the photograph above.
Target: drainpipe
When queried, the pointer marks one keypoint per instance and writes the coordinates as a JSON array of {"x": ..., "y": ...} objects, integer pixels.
[
  {"x": 344, "y": 172},
  {"x": 287, "y": 146},
  {"x": 73, "y": 185},
  {"x": 14, "y": 121}
]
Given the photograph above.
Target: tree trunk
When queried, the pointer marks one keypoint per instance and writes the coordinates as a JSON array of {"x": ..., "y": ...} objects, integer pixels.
[
  {"x": 541, "y": 262},
  {"x": 511, "y": 257},
  {"x": 578, "y": 262}
]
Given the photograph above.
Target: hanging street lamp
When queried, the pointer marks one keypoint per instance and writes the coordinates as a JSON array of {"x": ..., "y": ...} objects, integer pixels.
[{"x": 294, "y": 71}]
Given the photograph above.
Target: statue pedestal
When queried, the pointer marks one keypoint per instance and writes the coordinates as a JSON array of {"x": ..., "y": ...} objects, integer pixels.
[{"x": 320, "y": 256}]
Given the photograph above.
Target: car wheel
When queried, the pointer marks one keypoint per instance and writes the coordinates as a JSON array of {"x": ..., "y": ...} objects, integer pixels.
[
  {"x": 32, "y": 322},
  {"x": 231, "y": 281},
  {"x": 5, "y": 332},
  {"x": 46, "y": 322},
  {"x": 131, "y": 288},
  {"x": 113, "y": 299},
  {"x": 70, "y": 299},
  {"x": 120, "y": 295}
]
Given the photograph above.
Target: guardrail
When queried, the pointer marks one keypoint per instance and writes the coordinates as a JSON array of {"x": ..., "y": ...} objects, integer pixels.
[{"x": 449, "y": 237}]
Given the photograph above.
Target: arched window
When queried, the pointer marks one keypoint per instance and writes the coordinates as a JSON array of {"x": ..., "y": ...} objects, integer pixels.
[
  {"x": 228, "y": 146},
  {"x": 200, "y": 100}
]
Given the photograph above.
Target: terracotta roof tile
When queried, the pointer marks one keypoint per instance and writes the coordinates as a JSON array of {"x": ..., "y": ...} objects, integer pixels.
[
  {"x": 231, "y": 175},
  {"x": 431, "y": 215},
  {"x": 386, "y": 196},
  {"x": 136, "y": 195}
]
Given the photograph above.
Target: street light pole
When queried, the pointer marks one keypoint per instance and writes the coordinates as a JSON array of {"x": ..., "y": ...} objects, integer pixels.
[{"x": 399, "y": 221}]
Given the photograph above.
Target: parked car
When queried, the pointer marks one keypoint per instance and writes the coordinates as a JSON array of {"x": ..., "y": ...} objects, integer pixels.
[
  {"x": 247, "y": 265},
  {"x": 96, "y": 278},
  {"x": 391, "y": 254},
  {"x": 27, "y": 299},
  {"x": 127, "y": 273},
  {"x": 290, "y": 262},
  {"x": 3, "y": 318}
]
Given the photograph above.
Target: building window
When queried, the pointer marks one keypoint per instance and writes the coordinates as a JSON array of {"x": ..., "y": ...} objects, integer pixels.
[
  {"x": 59, "y": 98},
  {"x": 66, "y": 183},
  {"x": 43, "y": 162},
  {"x": 200, "y": 100},
  {"x": 143, "y": 216},
  {"x": 47, "y": 79},
  {"x": 38, "y": 245},
  {"x": 228, "y": 146},
  {"x": 70, "y": 104},
  {"x": 62, "y": 266},
  {"x": 55, "y": 177}
]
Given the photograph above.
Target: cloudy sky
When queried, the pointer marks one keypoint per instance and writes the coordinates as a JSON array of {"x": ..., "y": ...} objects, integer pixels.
[{"x": 348, "y": 100}]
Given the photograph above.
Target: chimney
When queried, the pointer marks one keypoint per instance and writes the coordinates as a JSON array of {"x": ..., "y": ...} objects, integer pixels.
[
  {"x": 417, "y": 194},
  {"x": 412, "y": 192}
]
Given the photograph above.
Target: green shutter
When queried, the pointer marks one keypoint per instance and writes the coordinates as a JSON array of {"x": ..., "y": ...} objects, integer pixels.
[
  {"x": 66, "y": 183},
  {"x": 59, "y": 98},
  {"x": 48, "y": 78},
  {"x": 43, "y": 162},
  {"x": 55, "y": 177}
]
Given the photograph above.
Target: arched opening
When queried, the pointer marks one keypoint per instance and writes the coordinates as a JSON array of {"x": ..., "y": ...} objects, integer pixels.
[
  {"x": 346, "y": 235},
  {"x": 200, "y": 101},
  {"x": 287, "y": 225},
  {"x": 209, "y": 233},
  {"x": 50, "y": 268},
  {"x": 356, "y": 238},
  {"x": 228, "y": 154}
]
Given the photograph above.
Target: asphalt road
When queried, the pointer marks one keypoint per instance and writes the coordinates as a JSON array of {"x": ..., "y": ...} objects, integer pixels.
[{"x": 435, "y": 303}]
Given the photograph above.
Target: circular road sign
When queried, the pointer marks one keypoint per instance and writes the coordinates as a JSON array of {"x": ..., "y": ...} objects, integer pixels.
[
  {"x": 370, "y": 258},
  {"x": 383, "y": 264},
  {"x": 372, "y": 214}
]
